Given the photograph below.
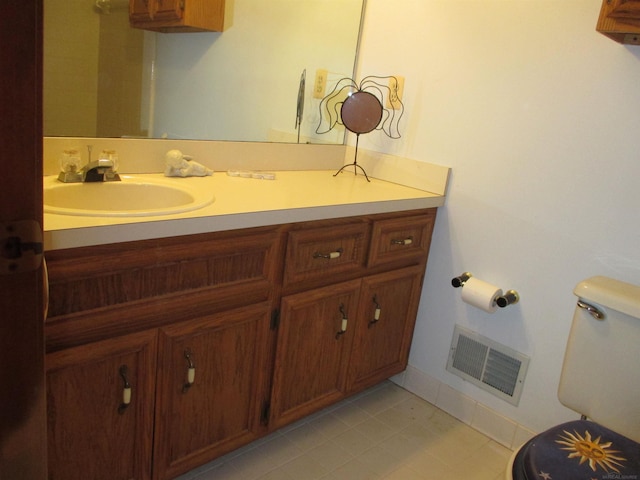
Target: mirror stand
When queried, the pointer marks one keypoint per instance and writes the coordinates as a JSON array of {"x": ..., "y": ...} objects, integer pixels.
[{"x": 355, "y": 163}]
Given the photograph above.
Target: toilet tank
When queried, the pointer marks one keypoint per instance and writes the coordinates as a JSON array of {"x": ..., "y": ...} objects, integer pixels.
[{"x": 601, "y": 371}]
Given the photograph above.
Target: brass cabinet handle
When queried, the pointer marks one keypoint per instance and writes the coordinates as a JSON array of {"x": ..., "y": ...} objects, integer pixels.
[
  {"x": 331, "y": 255},
  {"x": 191, "y": 371},
  {"x": 376, "y": 312},
  {"x": 126, "y": 390},
  {"x": 343, "y": 323}
]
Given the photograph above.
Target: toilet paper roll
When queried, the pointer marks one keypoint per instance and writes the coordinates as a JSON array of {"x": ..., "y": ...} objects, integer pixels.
[{"x": 480, "y": 294}]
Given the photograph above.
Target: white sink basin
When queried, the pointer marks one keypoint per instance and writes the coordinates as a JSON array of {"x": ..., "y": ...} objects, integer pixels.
[{"x": 133, "y": 196}]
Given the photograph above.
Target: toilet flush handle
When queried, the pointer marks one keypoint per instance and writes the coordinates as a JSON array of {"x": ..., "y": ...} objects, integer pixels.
[{"x": 594, "y": 311}]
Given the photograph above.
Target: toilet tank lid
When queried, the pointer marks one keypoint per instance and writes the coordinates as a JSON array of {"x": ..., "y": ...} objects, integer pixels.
[{"x": 609, "y": 292}]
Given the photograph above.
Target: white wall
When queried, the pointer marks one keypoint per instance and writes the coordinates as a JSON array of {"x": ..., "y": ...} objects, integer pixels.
[{"x": 539, "y": 117}]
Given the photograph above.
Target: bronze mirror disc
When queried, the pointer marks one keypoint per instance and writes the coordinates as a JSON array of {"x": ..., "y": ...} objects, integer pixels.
[{"x": 361, "y": 112}]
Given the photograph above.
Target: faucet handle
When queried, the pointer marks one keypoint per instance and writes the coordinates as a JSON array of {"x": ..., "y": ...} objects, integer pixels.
[
  {"x": 103, "y": 169},
  {"x": 70, "y": 160},
  {"x": 108, "y": 158}
]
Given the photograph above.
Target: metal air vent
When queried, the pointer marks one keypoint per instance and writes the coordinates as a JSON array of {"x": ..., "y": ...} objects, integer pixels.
[{"x": 489, "y": 365}]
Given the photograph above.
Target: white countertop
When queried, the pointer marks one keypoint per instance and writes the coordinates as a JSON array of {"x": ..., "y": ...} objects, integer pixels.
[{"x": 293, "y": 196}]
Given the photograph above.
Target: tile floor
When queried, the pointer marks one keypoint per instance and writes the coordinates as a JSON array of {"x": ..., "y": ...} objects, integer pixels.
[{"x": 384, "y": 433}]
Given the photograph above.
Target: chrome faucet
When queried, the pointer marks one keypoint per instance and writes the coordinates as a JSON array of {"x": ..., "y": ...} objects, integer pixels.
[{"x": 101, "y": 170}]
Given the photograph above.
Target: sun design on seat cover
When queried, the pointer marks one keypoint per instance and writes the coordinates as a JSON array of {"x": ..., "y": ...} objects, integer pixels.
[{"x": 592, "y": 451}]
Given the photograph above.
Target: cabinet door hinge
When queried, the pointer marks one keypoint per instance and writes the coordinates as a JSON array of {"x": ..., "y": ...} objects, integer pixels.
[
  {"x": 266, "y": 411},
  {"x": 21, "y": 246},
  {"x": 275, "y": 319}
]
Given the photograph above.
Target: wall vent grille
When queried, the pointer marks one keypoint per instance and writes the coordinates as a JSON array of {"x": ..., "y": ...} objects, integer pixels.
[{"x": 491, "y": 366}]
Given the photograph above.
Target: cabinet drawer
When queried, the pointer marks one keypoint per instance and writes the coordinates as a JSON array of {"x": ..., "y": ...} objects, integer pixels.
[
  {"x": 401, "y": 240},
  {"x": 318, "y": 253}
]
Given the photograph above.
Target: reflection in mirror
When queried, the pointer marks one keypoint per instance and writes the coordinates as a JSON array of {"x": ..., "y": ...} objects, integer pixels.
[{"x": 105, "y": 79}]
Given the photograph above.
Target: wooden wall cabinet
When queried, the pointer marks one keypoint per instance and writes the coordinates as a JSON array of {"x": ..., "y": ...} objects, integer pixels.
[
  {"x": 223, "y": 337},
  {"x": 170, "y": 16},
  {"x": 620, "y": 21}
]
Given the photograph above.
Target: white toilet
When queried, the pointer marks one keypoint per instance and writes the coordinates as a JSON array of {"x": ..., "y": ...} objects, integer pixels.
[{"x": 601, "y": 381}]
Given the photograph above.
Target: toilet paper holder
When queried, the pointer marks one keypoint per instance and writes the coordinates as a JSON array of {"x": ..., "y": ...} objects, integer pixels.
[
  {"x": 510, "y": 297},
  {"x": 460, "y": 279}
]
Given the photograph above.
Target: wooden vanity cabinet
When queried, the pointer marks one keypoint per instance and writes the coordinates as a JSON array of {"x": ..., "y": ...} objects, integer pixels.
[
  {"x": 221, "y": 337},
  {"x": 177, "y": 15}
]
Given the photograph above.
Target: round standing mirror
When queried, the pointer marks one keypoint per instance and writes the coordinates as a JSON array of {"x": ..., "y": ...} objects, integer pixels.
[{"x": 361, "y": 112}]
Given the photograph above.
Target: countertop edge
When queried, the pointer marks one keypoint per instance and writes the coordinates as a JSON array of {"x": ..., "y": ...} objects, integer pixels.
[{"x": 99, "y": 235}]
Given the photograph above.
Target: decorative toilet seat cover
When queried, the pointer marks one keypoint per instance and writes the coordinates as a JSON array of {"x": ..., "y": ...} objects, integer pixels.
[{"x": 578, "y": 450}]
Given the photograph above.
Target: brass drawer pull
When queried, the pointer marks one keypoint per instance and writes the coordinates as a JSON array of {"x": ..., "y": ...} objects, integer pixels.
[
  {"x": 404, "y": 241},
  {"x": 330, "y": 255}
]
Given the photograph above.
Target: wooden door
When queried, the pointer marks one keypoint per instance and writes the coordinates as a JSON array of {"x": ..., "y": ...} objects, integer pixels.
[
  {"x": 314, "y": 342},
  {"x": 92, "y": 431},
  {"x": 22, "y": 395},
  {"x": 217, "y": 406},
  {"x": 386, "y": 317}
]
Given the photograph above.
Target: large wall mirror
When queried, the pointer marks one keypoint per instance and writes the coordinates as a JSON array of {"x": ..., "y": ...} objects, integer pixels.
[{"x": 103, "y": 78}]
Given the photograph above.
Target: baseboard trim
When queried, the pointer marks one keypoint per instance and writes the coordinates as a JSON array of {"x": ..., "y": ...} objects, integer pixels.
[{"x": 496, "y": 426}]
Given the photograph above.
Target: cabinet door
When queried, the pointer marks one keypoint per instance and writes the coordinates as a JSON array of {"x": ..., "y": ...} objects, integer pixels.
[
  {"x": 215, "y": 407},
  {"x": 386, "y": 317},
  {"x": 626, "y": 11},
  {"x": 141, "y": 10},
  {"x": 314, "y": 341},
  {"x": 155, "y": 10},
  {"x": 92, "y": 432},
  {"x": 168, "y": 10}
]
